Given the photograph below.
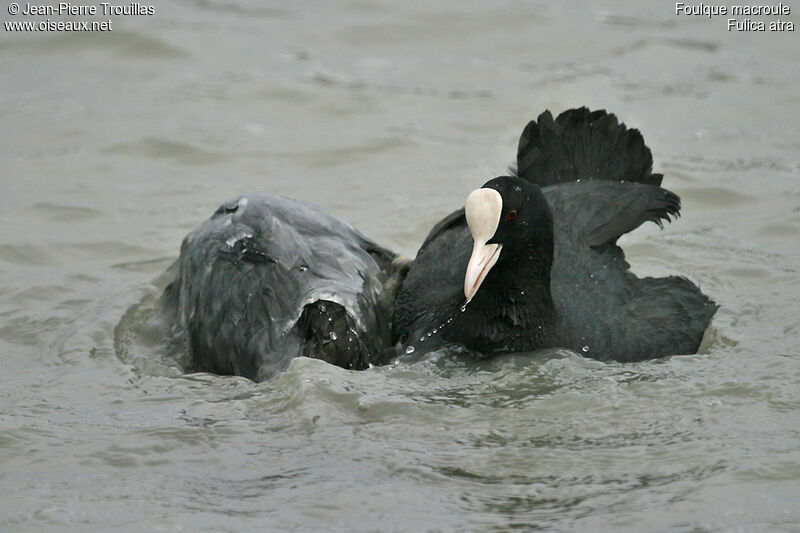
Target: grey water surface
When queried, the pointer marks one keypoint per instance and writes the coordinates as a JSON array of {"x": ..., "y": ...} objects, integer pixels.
[{"x": 114, "y": 145}]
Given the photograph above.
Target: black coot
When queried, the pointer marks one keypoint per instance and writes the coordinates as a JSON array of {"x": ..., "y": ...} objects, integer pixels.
[
  {"x": 535, "y": 255},
  {"x": 267, "y": 279}
]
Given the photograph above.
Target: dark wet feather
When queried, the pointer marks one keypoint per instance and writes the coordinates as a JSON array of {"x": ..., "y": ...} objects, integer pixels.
[
  {"x": 596, "y": 177},
  {"x": 585, "y": 145}
]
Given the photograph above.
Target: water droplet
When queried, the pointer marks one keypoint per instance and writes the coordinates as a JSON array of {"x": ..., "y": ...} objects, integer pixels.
[
  {"x": 522, "y": 293},
  {"x": 463, "y": 308},
  {"x": 333, "y": 336},
  {"x": 429, "y": 334},
  {"x": 302, "y": 268},
  {"x": 585, "y": 348},
  {"x": 409, "y": 349},
  {"x": 578, "y": 180},
  {"x": 422, "y": 339},
  {"x": 435, "y": 331}
]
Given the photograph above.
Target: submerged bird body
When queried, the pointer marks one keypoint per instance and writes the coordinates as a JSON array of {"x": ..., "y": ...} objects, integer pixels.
[
  {"x": 533, "y": 256},
  {"x": 267, "y": 279},
  {"x": 548, "y": 272}
]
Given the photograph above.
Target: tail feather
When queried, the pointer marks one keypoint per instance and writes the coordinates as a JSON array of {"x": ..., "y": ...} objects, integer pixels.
[{"x": 583, "y": 144}]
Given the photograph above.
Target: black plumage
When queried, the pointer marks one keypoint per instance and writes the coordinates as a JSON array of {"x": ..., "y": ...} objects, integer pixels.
[
  {"x": 582, "y": 180},
  {"x": 266, "y": 278}
]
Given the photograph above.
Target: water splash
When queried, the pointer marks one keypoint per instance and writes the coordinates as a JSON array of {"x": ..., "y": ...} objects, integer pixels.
[{"x": 436, "y": 330}]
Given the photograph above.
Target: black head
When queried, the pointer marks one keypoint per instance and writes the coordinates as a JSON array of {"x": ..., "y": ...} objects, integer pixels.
[
  {"x": 525, "y": 213},
  {"x": 512, "y": 227}
]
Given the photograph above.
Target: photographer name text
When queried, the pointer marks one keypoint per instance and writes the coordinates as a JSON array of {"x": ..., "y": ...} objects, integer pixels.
[{"x": 68, "y": 8}]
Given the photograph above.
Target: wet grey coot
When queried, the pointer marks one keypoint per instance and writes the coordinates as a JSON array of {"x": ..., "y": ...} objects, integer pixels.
[
  {"x": 267, "y": 279},
  {"x": 535, "y": 258}
]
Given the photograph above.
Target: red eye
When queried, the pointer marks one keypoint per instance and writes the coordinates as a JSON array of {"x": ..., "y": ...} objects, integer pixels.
[{"x": 512, "y": 214}]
